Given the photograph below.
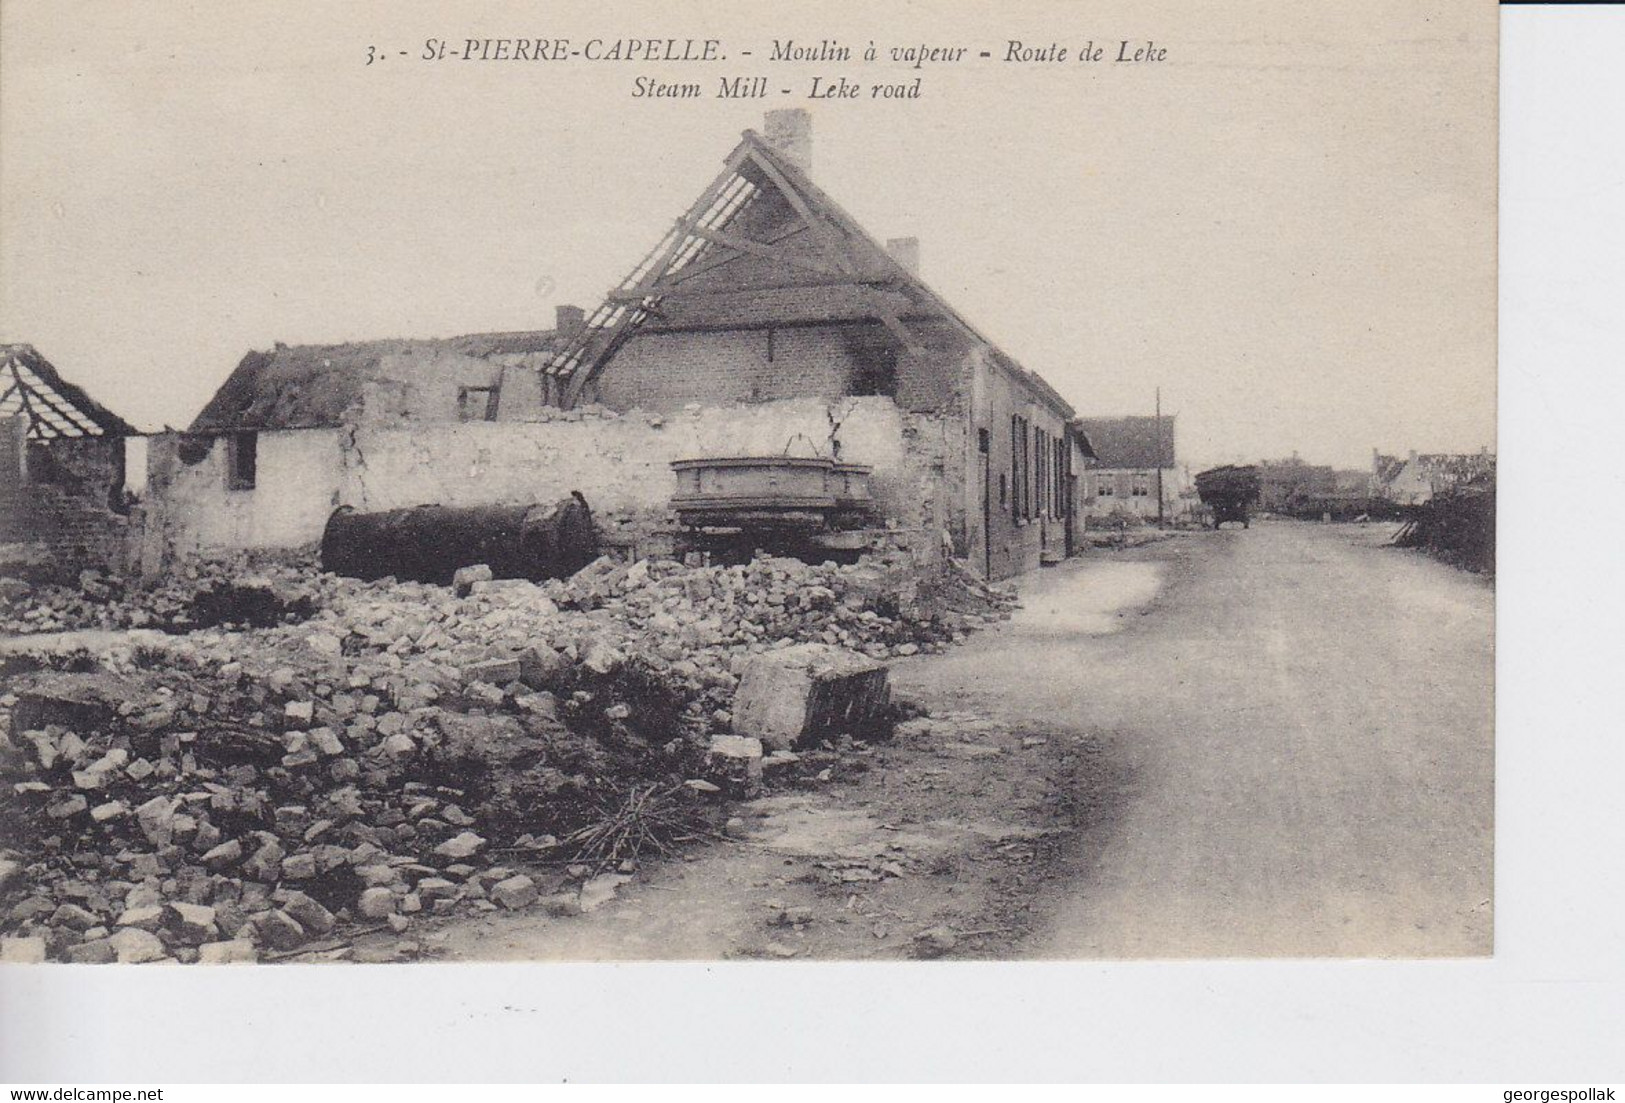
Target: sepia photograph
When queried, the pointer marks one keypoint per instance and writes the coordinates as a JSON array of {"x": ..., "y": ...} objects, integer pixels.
[{"x": 837, "y": 483}]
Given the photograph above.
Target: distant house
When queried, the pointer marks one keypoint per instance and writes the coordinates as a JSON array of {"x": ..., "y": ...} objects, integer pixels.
[
  {"x": 1135, "y": 469},
  {"x": 1290, "y": 484},
  {"x": 62, "y": 470},
  {"x": 766, "y": 321},
  {"x": 1421, "y": 476}
]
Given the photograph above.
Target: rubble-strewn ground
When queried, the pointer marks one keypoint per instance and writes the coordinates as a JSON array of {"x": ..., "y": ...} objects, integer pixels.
[
  {"x": 241, "y": 592},
  {"x": 935, "y": 844},
  {"x": 400, "y": 751}
]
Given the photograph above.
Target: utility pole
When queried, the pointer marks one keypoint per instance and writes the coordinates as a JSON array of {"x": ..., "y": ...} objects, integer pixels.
[{"x": 1159, "y": 459}]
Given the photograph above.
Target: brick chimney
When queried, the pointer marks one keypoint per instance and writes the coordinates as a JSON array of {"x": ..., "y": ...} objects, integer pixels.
[
  {"x": 567, "y": 319},
  {"x": 789, "y": 130},
  {"x": 906, "y": 252}
]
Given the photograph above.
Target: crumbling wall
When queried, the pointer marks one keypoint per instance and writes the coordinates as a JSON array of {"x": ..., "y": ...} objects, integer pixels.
[
  {"x": 192, "y": 508},
  {"x": 66, "y": 508},
  {"x": 621, "y": 463},
  {"x": 425, "y": 384}
]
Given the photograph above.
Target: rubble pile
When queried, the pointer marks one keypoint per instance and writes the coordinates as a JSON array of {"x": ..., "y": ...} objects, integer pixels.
[
  {"x": 883, "y": 606},
  {"x": 223, "y": 810},
  {"x": 403, "y": 749},
  {"x": 201, "y": 595}
]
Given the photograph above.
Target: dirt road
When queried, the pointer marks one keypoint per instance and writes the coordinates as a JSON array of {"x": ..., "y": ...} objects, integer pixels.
[{"x": 1298, "y": 731}]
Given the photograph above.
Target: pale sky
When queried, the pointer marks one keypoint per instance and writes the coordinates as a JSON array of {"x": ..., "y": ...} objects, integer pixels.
[{"x": 1288, "y": 225}]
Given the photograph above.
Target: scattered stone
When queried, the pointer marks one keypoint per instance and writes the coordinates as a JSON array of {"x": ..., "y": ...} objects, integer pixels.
[
  {"x": 515, "y": 892},
  {"x": 497, "y": 672},
  {"x": 400, "y": 746},
  {"x": 67, "y": 809},
  {"x": 376, "y": 902},
  {"x": 224, "y": 856},
  {"x": 237, "y": 951},
  {"x": 147, "y": 917},
  {"x": 112, "y": 810},
  {"x": 464, "y": 845},
  {"x": 462, "y": 583},
  {"x": 192, "y": 923},
  {"x": 309, "y": 914},
  {"x": 95, "y": 951},
  {"x": 133, "y": 946},
  {"x": 22, "y": 950},
  {"x": 74, "y": 917},
  {"x": 279, "y": 930}
]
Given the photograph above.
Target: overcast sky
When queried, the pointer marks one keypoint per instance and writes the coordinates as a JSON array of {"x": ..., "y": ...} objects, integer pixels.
[{"x": 1288, "y": 225}]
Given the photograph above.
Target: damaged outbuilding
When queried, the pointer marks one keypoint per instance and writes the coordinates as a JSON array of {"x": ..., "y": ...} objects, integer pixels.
[
  {"x": 766, "y": 323},
  {"x": 63, "y": 499}
]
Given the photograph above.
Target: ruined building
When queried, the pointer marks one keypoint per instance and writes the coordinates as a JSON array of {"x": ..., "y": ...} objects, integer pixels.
[
  {"x": 765, "y": 321},
  {"x": 63, "y": 503}
]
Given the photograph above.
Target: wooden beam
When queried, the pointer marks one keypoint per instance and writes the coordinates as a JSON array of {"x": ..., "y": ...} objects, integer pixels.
[
  {"x": 65, "y": 410},
  {"x": 584, "y": 370},
  {"x": 826, "y": 236},
  {"x": 679, "y": 292},
  {"x": 832, "y": 246},
  {"x": 715, "y": 259},
  {"x": 759, "y": 249},
  {"x": 719, "y": 257},
  {"x": 692, "y": 215}
]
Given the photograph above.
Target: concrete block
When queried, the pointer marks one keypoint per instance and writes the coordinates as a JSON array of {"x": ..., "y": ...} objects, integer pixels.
[{"x": 806, "y": 691}]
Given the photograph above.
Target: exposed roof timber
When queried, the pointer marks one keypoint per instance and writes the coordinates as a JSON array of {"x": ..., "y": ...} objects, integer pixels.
[
  {"x": 53, "y": 406},
  {"x": 756, "y": 248},
  {"x": 613, "y": 321},
  {"x": 716, "y": 257},
  {"x": 680, "y": 292},
  {"x": 40, "y": 392},
  {"x": 831, "y": 242},
  {"x": 754, "y": 167}
]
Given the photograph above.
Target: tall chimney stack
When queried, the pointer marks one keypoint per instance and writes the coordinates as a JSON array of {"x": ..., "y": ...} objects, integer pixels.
[
  {"x": 567, "y": 319},
  {"x": 789, "y": 130},
  {"x": 906, "y": 252}
]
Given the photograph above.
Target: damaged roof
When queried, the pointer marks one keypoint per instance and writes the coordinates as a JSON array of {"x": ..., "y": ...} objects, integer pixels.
[
  {"x": 1130, "y": 442},
  {"x": 765, "y": 246},
  {"x": 31, "y": 386},
  {"x": 310, "y": 386}
]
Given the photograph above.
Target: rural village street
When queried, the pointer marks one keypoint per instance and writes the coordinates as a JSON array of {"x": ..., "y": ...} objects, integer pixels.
[
  {"x": 1270, "y": 742},
  {"x": 1298, "y": 732}
]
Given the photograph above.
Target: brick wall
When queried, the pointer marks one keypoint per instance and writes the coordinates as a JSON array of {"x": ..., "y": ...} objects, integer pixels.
[
  {"x": 12, "y": 495},
  {"x": 666, "y": 371},
  {"x": 663, "y": 372},
  {"x": 67, "y": 510}
]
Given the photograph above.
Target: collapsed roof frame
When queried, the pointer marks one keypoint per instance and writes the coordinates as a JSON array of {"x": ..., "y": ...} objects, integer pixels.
[
  {"x": 55, "y": 409},
  {"x": 702, "y": 240}
]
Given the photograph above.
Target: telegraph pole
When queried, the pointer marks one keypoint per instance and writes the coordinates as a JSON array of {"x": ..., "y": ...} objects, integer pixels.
[{"x": 1159, "y": 459}]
